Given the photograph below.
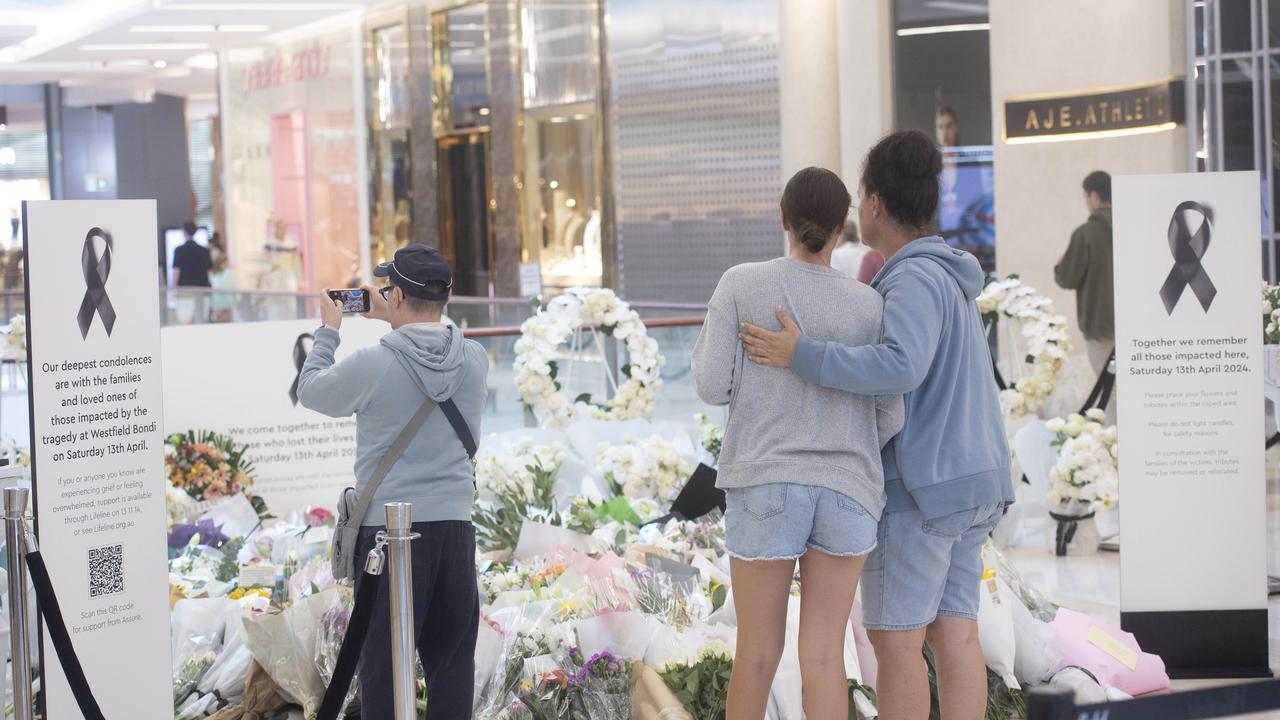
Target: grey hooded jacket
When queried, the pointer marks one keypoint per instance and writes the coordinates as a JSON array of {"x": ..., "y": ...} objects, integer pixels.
[{"x": 383, "y": 386}]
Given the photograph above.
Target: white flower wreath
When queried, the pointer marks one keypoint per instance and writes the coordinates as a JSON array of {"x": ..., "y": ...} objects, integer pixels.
[
  {"x": 1048, "y": 342},
  {"x": 538, "y": 347}
]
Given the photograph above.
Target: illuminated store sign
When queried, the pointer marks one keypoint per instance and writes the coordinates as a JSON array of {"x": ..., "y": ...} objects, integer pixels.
[
  {"x": 1108, "y": 113},
  {"x": 282, "y": 69}
]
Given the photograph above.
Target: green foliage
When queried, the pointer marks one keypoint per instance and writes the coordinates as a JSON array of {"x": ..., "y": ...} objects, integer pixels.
[
  {"x": 703, "y": 688},
  {"x": 229, "y": 567}
]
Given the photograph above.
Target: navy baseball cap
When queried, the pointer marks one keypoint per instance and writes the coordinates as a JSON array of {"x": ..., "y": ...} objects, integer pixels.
[{"x": 420, "y": 271}]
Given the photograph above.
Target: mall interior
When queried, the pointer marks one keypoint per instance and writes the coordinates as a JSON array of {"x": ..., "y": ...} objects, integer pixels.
[{"x": 590, "y": 169}]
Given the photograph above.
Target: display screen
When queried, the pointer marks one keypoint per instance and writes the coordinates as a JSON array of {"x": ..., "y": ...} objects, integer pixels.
[
  {"x": 353, "y": 300},
  {"x": 966, "y": 202}
]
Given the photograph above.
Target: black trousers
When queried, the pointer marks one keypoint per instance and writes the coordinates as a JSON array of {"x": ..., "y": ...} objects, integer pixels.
[{"x": 446, "y": 615}]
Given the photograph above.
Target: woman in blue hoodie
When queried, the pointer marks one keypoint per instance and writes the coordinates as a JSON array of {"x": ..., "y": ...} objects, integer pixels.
[{"x": 947, "y": 474}]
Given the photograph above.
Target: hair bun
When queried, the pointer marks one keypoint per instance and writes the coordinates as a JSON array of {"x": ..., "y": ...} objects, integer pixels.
[{"x": 918, "y": 155}]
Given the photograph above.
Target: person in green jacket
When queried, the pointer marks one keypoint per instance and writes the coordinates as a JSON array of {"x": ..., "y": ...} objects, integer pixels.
[{"x": 1086, "y": 268}]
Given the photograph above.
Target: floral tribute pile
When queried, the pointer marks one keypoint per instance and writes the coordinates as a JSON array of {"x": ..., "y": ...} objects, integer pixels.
[{"x": 594, "y": 604}]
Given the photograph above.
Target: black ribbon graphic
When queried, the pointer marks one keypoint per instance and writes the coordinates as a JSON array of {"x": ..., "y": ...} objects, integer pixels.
[
  {"x": 299, "y": 359},
  {"x": 1188, "y": 248},
  {"x": 96, "y": 271}
]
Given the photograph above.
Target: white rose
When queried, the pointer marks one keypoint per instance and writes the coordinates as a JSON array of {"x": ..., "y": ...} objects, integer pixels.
[
  {"x": 1096, "y": 415},
  {"x": 1073, "y": 429},
  {"x": 1055, "y": 425}
]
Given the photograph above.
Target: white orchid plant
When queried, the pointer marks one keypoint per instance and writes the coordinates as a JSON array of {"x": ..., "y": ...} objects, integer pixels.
[
  {"x": 1048, "y": 342},
  {"x": 1086, "y": 476}
]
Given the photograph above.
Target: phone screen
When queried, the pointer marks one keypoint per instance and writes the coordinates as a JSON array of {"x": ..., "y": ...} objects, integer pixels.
[{"x": 354, "y": 300}]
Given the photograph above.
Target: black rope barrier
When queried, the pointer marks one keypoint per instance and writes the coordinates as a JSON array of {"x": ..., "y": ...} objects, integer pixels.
[
  {"x": 349, "y": 654},
  {"x": 1218, "y": 702},
  {"x": 47, "y": 601},
  {"x": 343, "y": 673}
]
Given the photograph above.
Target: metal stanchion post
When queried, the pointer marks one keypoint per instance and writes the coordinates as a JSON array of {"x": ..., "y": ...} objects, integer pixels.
[
  {"x": 403, "y": 676},
  {"x": 15, "y": 534}
]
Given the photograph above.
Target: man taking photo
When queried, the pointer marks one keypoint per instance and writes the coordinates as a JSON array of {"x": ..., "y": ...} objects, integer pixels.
[{"x": 385, "y": 386}]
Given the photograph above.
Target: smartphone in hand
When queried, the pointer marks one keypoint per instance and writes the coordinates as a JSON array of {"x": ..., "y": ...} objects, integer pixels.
[{"x": 354, "y": 300}]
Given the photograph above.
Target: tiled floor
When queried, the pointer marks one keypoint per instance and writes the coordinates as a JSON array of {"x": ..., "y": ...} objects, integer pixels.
[{"x": 1092, "y": 584}]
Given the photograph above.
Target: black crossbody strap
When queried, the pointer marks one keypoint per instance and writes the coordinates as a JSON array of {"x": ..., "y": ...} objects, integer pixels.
[{"x": 451, "y": 411}]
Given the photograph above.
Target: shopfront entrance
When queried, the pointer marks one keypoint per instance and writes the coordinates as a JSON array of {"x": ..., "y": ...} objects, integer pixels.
[{"x": 466, "y": 236}]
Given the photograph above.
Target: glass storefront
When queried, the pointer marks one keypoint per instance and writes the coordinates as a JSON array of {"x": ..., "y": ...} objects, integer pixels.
[
  {"x": 562, "y": 184},
  {"x": 942, "y": 86},
  {"x": 289, "y": 123},
  {"x": 464, "y": 192},
  {"x": 1236, "y": 123}
]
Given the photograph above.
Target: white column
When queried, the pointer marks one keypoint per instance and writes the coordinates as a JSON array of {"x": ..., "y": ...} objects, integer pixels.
[
  {"x": 864, "y": 53},
  {"x": 809, "y": 91}
]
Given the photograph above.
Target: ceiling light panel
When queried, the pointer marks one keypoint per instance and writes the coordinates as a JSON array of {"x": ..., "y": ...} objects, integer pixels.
[
  {"x": 172, "y": 28},
  {"x": 142, "y": 47}
]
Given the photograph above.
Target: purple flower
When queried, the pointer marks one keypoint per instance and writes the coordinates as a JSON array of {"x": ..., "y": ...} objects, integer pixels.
[{"x": 181, "y": 534}]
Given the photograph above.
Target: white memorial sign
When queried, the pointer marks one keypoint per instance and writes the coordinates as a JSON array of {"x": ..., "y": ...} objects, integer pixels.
[
  {"x": 241, "y": 379},
  {"x": 93, "y": 323},
  {"x": 1193, "y": 496}
]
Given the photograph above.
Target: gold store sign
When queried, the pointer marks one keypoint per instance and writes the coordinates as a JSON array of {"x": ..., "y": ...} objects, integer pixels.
[{"x": 1107, "y": 113}]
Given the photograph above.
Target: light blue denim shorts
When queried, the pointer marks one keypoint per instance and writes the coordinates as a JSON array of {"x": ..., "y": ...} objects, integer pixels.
[
  {"x": 781, "y": 521},
  {"x": 925, "y": 568}
]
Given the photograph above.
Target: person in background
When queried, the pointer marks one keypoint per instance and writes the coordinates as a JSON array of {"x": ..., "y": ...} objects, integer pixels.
[
  {"x": 870, "y": 265},
  {"x": 947, "y": 474},
  {"x": 191, "y": 265},
  {"x": 1086, "y": 268},
  {"x": 946, "y": 126},
  {"x": 220, "y": 279},
  {"x": 191, "y": 260},
  {"x": 800, "y": 466},
  {"x": 385, "y": 385},
  {"x": 847, "y": 257}
]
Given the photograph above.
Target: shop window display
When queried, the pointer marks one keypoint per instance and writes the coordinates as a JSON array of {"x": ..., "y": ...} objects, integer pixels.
[
  {"x": 289, "y": 122},
  {"x": 562, "y": 165}
]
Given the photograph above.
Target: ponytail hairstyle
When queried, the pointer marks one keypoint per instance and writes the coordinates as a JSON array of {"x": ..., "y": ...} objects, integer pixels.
[
  {"x": 814, "y": 205},
  {"x": 903, "y": 169}
]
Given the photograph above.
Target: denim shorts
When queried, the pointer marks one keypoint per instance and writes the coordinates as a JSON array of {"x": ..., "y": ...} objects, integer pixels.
[
  {"x": 925, "y": 568},
  {"x": 781, "y": 521}
]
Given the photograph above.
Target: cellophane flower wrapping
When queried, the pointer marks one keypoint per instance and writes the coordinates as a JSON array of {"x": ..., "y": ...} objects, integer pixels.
[
  {"x": 601, "y": 689},
  {"x": 329, "y": 637}
]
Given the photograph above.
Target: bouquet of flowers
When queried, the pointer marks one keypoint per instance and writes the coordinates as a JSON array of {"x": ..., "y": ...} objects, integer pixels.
[
  {"x": 650, "y": 467},
  {"x": 1270, "y": 313},
  {"x": 520, "y": 481},
  {"x": 702, "y": 683},
  {"x": 601, "y": 690},
  {"x": 210, "y": 466},
  {"x": 1086, "y": 475},
  {"x": 712, "y": 436},
  {"x": 513, "y": 467}
]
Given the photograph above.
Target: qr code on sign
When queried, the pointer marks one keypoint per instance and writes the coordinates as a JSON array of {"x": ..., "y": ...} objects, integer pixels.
[{"x": 106, "y": 570}]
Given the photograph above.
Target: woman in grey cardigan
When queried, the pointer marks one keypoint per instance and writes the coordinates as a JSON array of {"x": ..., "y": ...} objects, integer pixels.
[{"x": 800, "y": 464}]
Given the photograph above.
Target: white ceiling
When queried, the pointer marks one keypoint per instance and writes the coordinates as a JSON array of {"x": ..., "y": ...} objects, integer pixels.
[{"x": 117, "y": 50}]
